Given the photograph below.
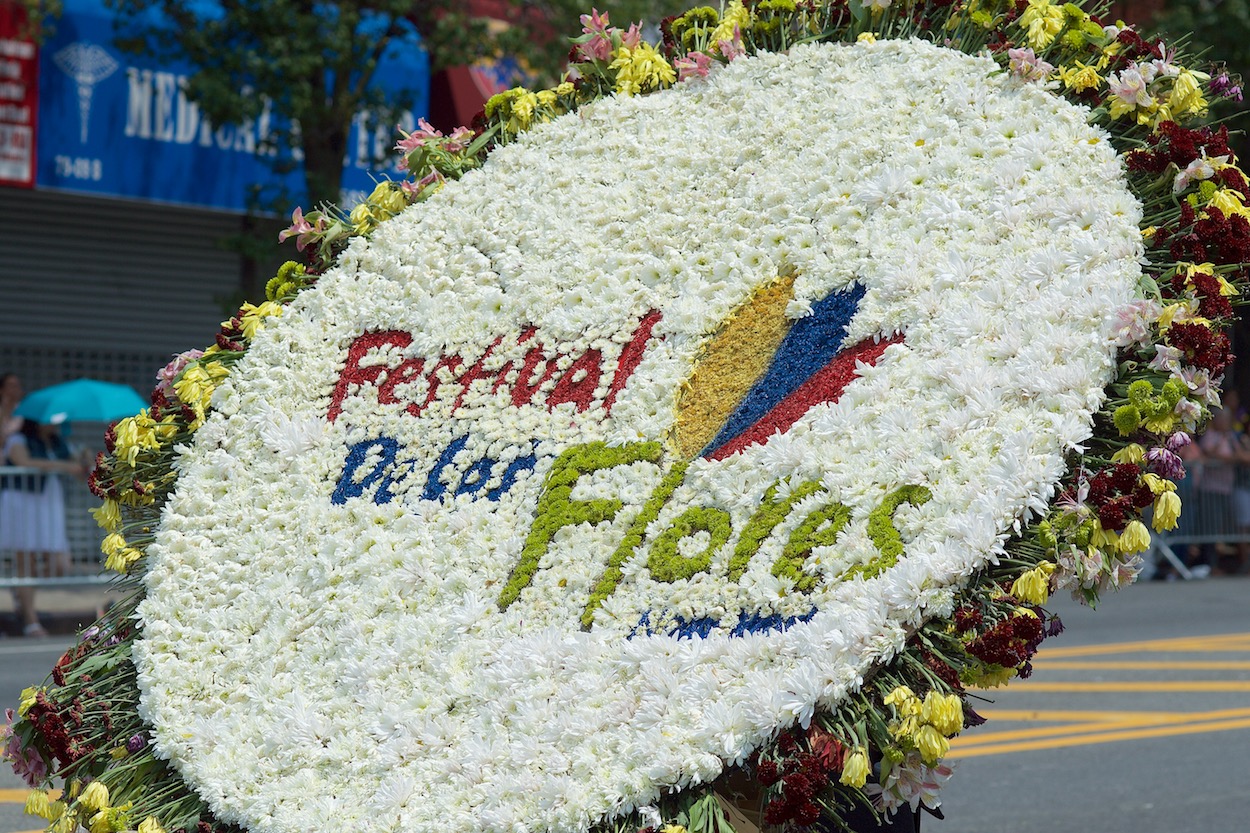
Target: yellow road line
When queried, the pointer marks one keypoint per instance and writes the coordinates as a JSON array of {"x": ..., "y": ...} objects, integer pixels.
[
  {"x": 1138, "y": 685},
  {"x": 1050, "y": 716},
  {"x": 1215, "y": 642},
  {"x": 1133, "y": 665},
  {"x": 1102, "y": 737},
  {"x": 1127, "y": 721},
  {"x": 19, "y": 796}
]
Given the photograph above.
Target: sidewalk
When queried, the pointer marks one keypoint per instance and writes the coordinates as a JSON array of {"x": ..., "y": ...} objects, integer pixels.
[{"x": 62, "y": 610}]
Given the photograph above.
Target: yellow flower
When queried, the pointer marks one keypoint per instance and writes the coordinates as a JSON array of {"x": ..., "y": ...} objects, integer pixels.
[
  {"x": 37, "y": 804},
  {"x": 931, "y": 744},
  {"x": 1033, "y": 586},
  {"x": 517, "y": 104},
  {"x": 1186, "y": 97},
  {"x": 119, "y": 555},
  {"x": 1042, "y": 21},
  {"x": 856, "y": 769},
  {"x": 66, "y": 823},
  {"x": 108, "y": 515},
  {"x": 672, "y": 828},
  {"x": 989, "y": 676},
  {"x": 1167, "y": 511},
  {"x": 252, "y": 316},
  {"x": 1228, "y": 202},
  {"x": 150, "y": 825},
  {"x": 361, "y": 219},
  {"x": 944, "y": 712},
  {"x": 565, "y": 88},
  {"x": 641, "y": 69},
  {"x": 736, "y": 16},
  {"x": 95, "y": 796},
  {"x": 904, "y": 701},
  {"x": 27, "y": 699},
  {"x": 1131, "y": 453},
  {"x": 1103, "y": 538},
  {"x": 100, "y": 822},
  {"x": 1134, "y": 538},
  {"x": 1080, "y": 77},
  {"x": 1157, "y": 484},
  {"x": 866, "y": 37}
]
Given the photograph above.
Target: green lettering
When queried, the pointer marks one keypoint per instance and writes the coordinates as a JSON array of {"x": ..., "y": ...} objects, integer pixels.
[
  {"x": 819, "y": 529},
  {"x": 771, "y": 512},
  {"x": 882, "y": 532},
  {"x": 633, "y": 538},
  {"x": 557, "y": 509},
  {"x": 667, "y": 564}
]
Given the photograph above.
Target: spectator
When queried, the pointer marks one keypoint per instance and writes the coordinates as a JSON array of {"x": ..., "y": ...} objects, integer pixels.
[
  {"x": 32, "y": 512},
  {"x": 1222, "y": 450},
  {"x": 10, "y": 396}
]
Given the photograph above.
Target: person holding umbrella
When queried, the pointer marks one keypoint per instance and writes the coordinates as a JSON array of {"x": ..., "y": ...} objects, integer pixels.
[{"x": 32, "y": 512}]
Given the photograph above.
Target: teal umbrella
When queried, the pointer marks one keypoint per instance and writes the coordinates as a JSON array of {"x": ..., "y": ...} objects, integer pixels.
[{"x": 82, "y": 400}]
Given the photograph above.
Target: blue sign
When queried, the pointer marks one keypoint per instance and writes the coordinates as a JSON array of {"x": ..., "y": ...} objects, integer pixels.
[{"x": 115, "y": 124}]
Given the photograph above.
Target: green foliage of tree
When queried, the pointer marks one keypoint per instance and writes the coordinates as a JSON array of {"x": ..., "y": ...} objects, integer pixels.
[
  {"x": 310, "y": 64},
  {"x": 313, "y": 63},
  {"x": 40, "y": 15}
]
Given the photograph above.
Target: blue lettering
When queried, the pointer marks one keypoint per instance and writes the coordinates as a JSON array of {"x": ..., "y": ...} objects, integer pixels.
[{"x": 350, "y": 487}]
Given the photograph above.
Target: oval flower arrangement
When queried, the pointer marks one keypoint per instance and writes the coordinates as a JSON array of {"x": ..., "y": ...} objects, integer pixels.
[{"x": 675, "y": 447}]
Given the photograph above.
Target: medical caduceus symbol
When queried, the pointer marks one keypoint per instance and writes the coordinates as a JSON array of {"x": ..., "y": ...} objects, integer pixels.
[{"x": 88, "y": 64}]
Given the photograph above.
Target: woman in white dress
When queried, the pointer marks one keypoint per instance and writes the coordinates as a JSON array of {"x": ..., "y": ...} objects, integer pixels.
[{"x": 32, "y": 511}]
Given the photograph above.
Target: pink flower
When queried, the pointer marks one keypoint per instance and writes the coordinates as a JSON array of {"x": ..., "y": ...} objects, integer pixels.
[
  {"x": 26, "y": 762},
  {"x": 1132, "y": 323},
  {"x": 459, "y": 139},
  {"x": 633, "y": 37},
  {"x": 166, "y": 375},
  {"x": 418, "y": 138},
  {"x": 307, "y": 233},
  {"x": 1178, "y": 441},
  {"x": 298, "y": 226},
  {"x": 1024, "y": 64},
  {"x": 732, "y": 49},
  {"x": 598, "y": 48},
  {"x": 1165, "y": 464},
  {"x": 694, "y": 65},
  {"x": 595, "y": 23},
  {"x": 1166, "y": 358}
]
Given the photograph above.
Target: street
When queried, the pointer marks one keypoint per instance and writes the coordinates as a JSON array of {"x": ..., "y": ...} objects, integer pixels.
[{"x": 1136, "y": 720}]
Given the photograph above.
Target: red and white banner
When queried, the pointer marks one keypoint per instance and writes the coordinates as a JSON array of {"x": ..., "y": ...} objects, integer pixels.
[{"x": 19, "y": 98}]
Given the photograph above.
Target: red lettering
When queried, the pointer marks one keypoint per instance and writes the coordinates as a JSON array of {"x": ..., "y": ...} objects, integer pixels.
[
  {"x": 526, "y": 387},
  {"x": 354, "y": 374},
  {"x": 476, "y": 372},
  {"x": 450, "y": 362},
  {"x": 631, "y": 356},
  {"x": 580, "y": 392},
  {"x": 409, "y": 370}
]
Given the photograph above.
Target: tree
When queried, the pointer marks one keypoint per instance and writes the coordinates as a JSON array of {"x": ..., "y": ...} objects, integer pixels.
[{"x": 313, "y": 64}]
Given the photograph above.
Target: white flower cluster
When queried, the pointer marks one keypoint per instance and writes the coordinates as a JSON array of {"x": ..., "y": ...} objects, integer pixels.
[{"x": 322, "y": 657}]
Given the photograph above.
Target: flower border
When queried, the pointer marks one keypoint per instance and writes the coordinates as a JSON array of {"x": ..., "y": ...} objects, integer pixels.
[{"x": 85, "y": 727}]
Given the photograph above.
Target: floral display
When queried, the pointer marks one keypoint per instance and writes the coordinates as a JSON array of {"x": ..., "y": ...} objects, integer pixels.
[{"x": 675, "y": 447}]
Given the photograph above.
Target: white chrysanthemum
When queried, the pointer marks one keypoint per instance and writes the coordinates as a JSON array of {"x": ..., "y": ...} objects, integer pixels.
[{"x": 322, "y": 624}]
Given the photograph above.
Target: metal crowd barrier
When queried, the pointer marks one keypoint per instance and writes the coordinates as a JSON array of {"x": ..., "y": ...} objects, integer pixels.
[
  {"x": 83, "y": 566},
  {"x": 1215, "y": 499},
  {"x": 1215, "y": 509}
]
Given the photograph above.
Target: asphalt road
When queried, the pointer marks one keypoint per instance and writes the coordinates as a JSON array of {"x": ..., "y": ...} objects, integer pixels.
[{"x": 1137, "y": 720}]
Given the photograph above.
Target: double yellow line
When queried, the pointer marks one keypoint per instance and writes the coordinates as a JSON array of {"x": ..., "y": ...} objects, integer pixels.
[{"x": 1078, "y": 728}]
